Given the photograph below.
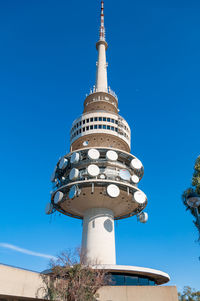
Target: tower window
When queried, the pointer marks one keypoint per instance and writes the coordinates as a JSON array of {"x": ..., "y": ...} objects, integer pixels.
[
  {"x": 108, "y": 127},
  {"x": 91, "y": 119},
  {"x": 95, "y": 127},
  {"x": 83, "y": 121},
  {"x": 108, "y": 119},
  {"x": 112, "y": 120},
  {"x": 112, "y": 128},
  {"x": 95, "y": 119},
  {"x": 88, "y": 120},
  {"x": 83, "y": 129},
  {"x": 91, "y": 127},
  {"x": 104, "y": 118},
  {"x": 87, "y": 128},
  {"x": 100, "y": 118},
  {"x": 104, "y": 126},
  {"x": 100, "y": 126}
]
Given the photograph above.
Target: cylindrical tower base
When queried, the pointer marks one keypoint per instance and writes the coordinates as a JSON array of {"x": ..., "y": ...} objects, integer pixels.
[{"x": 98, "y": 238}]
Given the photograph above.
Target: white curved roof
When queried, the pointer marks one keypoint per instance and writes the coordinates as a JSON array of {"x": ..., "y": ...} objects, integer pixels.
[{"x": 158, "y": 276}]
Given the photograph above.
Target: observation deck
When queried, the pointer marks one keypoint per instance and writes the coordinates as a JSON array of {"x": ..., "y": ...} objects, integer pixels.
[
  {"x": 100, "y": 122},
  {"x": 98, "y": 178}
]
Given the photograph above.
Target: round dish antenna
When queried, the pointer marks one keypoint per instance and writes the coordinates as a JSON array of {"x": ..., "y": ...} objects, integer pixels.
[
  {"x": 73, "y": 192},
  {"x": 93, "y": 154},
  {"x": 136, "y": 164},
  {"x": 135, "y": 179},
  {"x": 93, "y": 170},
  {"x": 63, "y": 163},
  {"x": 75, "y": 158},
  {"x": 53, "y": 176},
  {"x": 85, "y": 143},
  {"x": 58, "y": 197},
  {"x": 125, "y": 174},
  {"x": 111, "y": 156},
  {"x": 74, "y": 173},
  {"x": 113, "y": 191},
  {"x": 143, "y": 217},
  {"x": 140, "y": 197},
  {"x": 49, "y": 208}
]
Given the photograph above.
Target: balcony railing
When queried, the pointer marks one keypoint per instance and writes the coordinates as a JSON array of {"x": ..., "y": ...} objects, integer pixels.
[{"x": 109, "y": 91}]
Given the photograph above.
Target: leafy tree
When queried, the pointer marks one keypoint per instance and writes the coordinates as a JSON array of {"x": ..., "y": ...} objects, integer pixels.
[
  {"x": 189, "y": 294},
  {"x": 69, "y": 279},
  {"x": 195, "y": 187}
]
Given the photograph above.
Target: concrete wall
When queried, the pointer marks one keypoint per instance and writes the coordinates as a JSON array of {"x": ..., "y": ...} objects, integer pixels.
[
  {"x": 19, "y": 283},
  {"x": 138, "y": 293}
]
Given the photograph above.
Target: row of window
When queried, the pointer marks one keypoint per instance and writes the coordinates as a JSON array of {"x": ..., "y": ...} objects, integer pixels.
[
  {"x": 96, "y": 127},
  {"x": 93, "y": 119},
  {"x": 119, "y": 280}
]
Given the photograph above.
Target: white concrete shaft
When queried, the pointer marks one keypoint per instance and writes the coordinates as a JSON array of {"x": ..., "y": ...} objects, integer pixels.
[
  {"x": 98, "y": 238},
  {"x": 101, "y": 74}
]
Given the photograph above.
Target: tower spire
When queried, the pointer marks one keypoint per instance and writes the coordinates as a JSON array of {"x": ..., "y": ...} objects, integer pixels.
[
  {"x": 102, "y": 27},
  {"x": 101, "y": 74}
]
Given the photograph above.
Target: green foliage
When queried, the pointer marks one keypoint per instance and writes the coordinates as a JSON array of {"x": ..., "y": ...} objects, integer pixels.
[
  {"x": 195, "y": 187},
  {"x": 196, "y": 176},
  {"x": 189, "y": 294},
  {"x": 69, "y": 279}
]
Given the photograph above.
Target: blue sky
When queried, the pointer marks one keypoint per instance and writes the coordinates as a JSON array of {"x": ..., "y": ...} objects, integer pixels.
[{"x": 47, "y": 59}]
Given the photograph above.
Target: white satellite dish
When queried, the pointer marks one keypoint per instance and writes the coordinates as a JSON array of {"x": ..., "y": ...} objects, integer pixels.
[
  {"x": 140, "y": 197},
  {"x": 85, "y": 143},
  {"x": 102, "y": 177},
  {"x": 58, "y": 197},
  {"x": 143, "y": 217},
  {"x": 125, "y": 174},
  {"x": 74, "y": 173},
  {"x": 113, "y": 191},
  {"x": 53, "y": 176},
  {"x": 136, "y": 164},
  {"x": 49, "y": 208},
  {"x": 135, "y": 179},
  {"x": 63, "y": 163},
  {"x": 93, "y": 154},
  {"x": 72, "y": 192},
  {"x": 111, "y": 156},
  {"x": 75, "y": 158},
  {"x": 93, "y": 170}
]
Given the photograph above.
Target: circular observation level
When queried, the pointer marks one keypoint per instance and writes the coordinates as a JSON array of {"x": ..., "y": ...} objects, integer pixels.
[
  {"x": 98, "y": 178},
  {"x": 100, "y": 122}
]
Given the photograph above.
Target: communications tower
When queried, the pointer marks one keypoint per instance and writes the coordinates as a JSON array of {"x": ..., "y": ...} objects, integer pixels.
[{"x": 98, "y": 180}]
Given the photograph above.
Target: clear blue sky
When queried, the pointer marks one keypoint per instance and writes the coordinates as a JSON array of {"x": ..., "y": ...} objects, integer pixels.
[{"x": 47, "y": 59}]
